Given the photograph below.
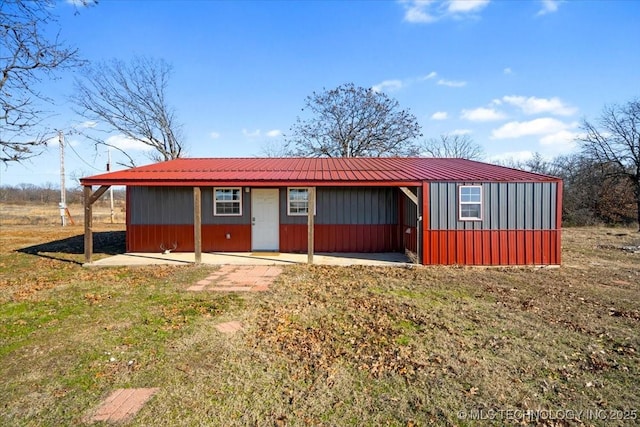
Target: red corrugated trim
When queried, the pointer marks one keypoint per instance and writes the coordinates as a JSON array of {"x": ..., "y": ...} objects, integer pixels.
[{"x": 492, "y": 247}]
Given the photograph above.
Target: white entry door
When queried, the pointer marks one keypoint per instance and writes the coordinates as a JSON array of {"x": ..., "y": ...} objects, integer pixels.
[{"x": 265, "y": 220}]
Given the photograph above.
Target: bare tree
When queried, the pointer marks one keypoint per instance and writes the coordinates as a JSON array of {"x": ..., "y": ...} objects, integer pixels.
[
  {"x": 275, "y": 149},
  {"x": 453, "y": 146},
  {"x": 351, "y": 121},
  {"x": 614, "y": 141},
  {"x": 28, "y": 55},
  {"x": 131, "y": 99}
]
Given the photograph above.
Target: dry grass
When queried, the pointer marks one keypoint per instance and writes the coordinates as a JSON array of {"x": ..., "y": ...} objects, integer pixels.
[
  {"x": 327, "y": 345},
  {"x": 49, "y": 214}
]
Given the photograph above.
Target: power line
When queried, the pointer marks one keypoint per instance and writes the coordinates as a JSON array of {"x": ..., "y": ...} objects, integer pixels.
[{"x": 83, "y": 160}]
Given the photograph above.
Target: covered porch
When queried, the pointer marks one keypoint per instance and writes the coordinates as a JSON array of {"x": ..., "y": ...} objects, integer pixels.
[{"x": 387, "y": 259}]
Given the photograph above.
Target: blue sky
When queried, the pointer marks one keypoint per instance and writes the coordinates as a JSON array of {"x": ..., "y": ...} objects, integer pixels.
[{"x": 517, "y": 76}]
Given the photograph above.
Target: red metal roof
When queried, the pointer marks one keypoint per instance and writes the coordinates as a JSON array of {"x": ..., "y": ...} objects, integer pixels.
[{"x": 378, "y": 171}]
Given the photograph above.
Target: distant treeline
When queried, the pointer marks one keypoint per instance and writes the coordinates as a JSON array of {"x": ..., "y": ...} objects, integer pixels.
[
  {"x": 50, "y": 194},
  {"x": 592, "y": 193}
]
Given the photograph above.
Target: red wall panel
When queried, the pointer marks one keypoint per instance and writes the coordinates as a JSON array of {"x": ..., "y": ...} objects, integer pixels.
[
  {"x": 492, "y": 247},
  {"x": 214, "y": 238},
  {"x": 341, "y": 238},
  {"x": 149, "y": 238}
]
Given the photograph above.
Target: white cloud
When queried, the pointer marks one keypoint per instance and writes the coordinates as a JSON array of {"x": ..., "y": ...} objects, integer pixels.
[
  {"x": 251, "y": 134},
  {"x": 533, "y": 105},
  {"x": 451, "y": 83},
  {"x": 461, "y": 132},
  {"x": 542, "y": 126},
  {"x": 274, "y": 133},
  {"x": 440, "y": 115},
  {"x": 428, "y": 11},
  {"x": 562, "y": 138},
  {"x": 549, "y": 6},
  {"x": 127, "y": 144},
  {"x": 507, "y": 71},
  {"x": 89, "y": 124},
  {"x": 214, "y": 135},
  {"x": 482, "y": 114},
  {"x": 512, "y": 156},
  {"x": 393, "y": 85},
  {"x": 388, "y": 85},
  {"x": 465, "y": 6},
  {"x": 416, "y": 11}
]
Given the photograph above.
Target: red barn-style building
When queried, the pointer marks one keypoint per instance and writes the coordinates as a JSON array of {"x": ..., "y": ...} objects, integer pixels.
[{"x": 446, "y": 211}]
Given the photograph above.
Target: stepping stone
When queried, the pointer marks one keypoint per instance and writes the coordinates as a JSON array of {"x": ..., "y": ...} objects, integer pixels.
[
  {"x": 122, "y": 404},
  {"x": 229, "y": 327}
]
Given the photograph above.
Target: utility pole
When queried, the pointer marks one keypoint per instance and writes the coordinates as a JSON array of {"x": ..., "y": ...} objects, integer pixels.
[
  {"x": 63, "y": 191},
  {"x": 111, "y": 187}
]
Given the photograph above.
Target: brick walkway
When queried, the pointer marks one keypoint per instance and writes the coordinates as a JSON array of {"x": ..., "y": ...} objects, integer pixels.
[
  {"x": 239, "y": 278},
  {"x": 122, "y": 404}
]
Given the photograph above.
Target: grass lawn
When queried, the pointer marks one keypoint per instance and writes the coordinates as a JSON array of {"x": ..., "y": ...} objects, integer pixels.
[{"x": 326, "y": 345}]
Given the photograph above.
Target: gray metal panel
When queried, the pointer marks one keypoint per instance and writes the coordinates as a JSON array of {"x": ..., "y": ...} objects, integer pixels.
[
  {"x": 506, "y": 206},
  {"x": 433, "y": 206},
  {"x": 348, "y": 205},
  {"x": 528, "y": 206},
  {"x": 553, "y": 205},
  {"x": 537, "y": 207},
  {"x": 286, "y": 219},
  {"x": 174, "y": 205},
  {"x": 503, "y": 201},
  {"x": 510, "y": 205},
  {"x": 207, "y": 209},
  {"x": 520, "y": 206},
  {"x": 161, "y": 205},
  {"x": 545, "y": 222}
]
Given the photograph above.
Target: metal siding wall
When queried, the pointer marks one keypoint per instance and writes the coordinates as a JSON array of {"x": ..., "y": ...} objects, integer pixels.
[
  {"x": 520, "y": 206},
  {"x": 553, "y": 198},
  {"x": 492, "y": 247},
  {"x": 356, "y": 205},
  {"x": 161, "y": 205},
  {"x": 506, "y": 206},
  {"x": 537, "y": 206},
  {"x": 528, "y": 206},
  {"x": 511, "y": 213},
  {"x": 494, "y": 206},
  {"x": 207, "y": 209}
]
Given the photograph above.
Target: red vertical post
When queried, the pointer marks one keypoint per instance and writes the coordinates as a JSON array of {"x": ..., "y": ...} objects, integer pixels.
[
  {"x": 558, "y": 230},
  {"x": 424, "y": 212}
]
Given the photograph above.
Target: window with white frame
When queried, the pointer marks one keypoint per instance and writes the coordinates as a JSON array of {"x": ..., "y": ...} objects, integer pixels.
[
  {"x": 227, "y": 201},
  {"x": 297, "y": 201},
  {"x": 470, "y": 202}
]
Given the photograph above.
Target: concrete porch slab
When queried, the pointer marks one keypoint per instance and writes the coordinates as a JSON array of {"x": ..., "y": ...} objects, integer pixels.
[{"x": 248, "y": 258}]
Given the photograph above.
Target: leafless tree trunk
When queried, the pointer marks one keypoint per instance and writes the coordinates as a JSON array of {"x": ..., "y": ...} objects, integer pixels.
[
  {"x": 453, "y": 146},
  {"x": 351, "y": 121},
  {"x": 27, "y": 57},
  {"x": 615, "y": 141},
  {"x": 131, "y": 99}
]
